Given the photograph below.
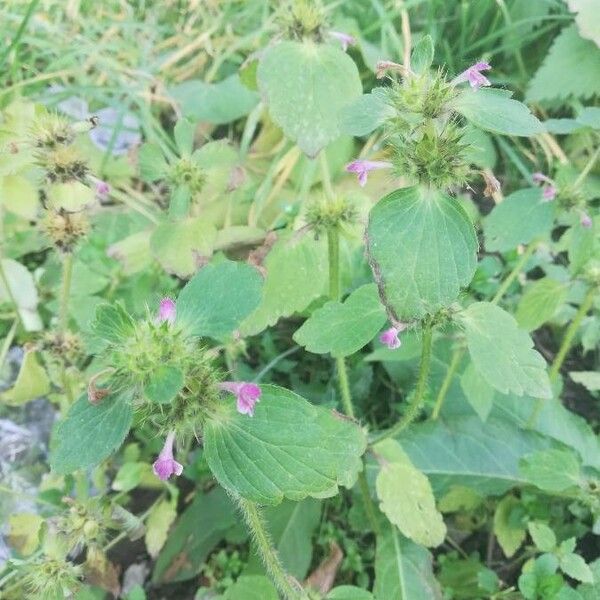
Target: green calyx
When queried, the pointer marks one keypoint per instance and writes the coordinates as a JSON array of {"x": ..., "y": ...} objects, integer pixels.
[
  {"x": 323, "y": 215},
  {"x": 304, "y": 19},
  {"x": 185, "y": 173}
]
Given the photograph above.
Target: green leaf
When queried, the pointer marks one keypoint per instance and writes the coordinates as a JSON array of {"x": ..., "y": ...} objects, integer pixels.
[
  {"x": 403, "y": 569},
  {"x": 22, "y": 290},
  {"x": 477, "y": 391},
  {"x": 552, "y": 470},
  {"x": 543, "y": 537},
  {"x": 349, "y": 592},
  {"x": 288, "y": 449},
  {"x": 158, "y": 524},
  {"x": 518, "y": 219},
  {"x": 570, "y": 69},
  {"x": 296, "y": 275},
  {"x": 252, "y": 587},
  {"x": 366, "y": 113},
  {"x": 587, "y": 19},
  {"x": 19, "y": 196},
  {"x": 208, "y": 517},
  {"x": 540, "y": 302},
  {"x": 421, "y": 56},
  {"x": 164, "y": 384},
  {"x": 509, "y": 531},
  {"x": 422, "y": 249},
  {"x": 589, "y": 117},
  {"x": 152, "y": 163},
  {"x": 112, "y": 323},
  {"x": 184, "y": 136},
  {"x": 574, "y": 566},
  {"x": 182, "y": 246},
  {"x": 588, "y": 379},
  {"x": 320, "y": 80},
  {"x": 502, "y": 353},
  {"x": 216, "y": 103},
  {"x": 24, "y": 532},
  {"x": 218, "y": 298},
  {"x": 462, "y": 450},
  {"x": 89, "y": 433},
  {"x": 479, "y": 150},
  {"x": 31, "y": 383},
  {"x": 343, "y": 328},
  {"x": 496, "y": 111},
  {"x": 71, "y": 197},
  {"x": 406, "y": 497}
]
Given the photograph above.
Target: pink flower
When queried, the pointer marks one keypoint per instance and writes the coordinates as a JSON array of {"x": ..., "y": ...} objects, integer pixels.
[
  {"x": 549, "y": 190},
  {"x": 585, "y": 220},
  {"x": 362, "y": 168},
  {"x": 102, "y": 189},
  {"x": 473, "y": 76},
  {"x": 248, "y": 394},
  {"x": 165, "y": 465},
  {"x": 344, "y": 38},
  {"x": 167, "y": 311},
  {"x": 390, "y": 336}
]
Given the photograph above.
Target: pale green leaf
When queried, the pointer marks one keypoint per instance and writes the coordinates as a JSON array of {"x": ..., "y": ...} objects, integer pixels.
[
  {"x": 587, "y": 19},
  {"x": 296, "y": 275},
  {"x": 421, "y": 56},
  {"x": 319, "y": 81},
  {"x": 406, "y": 497},
  {"x": 24, "y": 532},
  {"x": 543, "y": 537},
  {"x": 574, "y": 566},
  {"x": 158, "y": 524},
  {"x": 510, "y": 534},
  {"x": 19, "y": 196},
  {"x": 403, "y": 569},
  {"x": 495, "y": 111},
  {"x": 540, "y": 302},
  {"x": 366, "y": 113},
  {"x": 343, "y": 328},
  {"x": 183, "y": 132},
  {"x": 570, "y": 69},
  {"x": 478, "y": 392},
  {"x": 218, "y": 298},
  {"x": 181, "y": 247},
  {"x": 152, "y": 163},
  {"x": 21, "y": 289},
  {"x": 31, "y": 383},
  {"x": 288, "y": 449},
  {"x": 422, "y": 249},
  {"x": 112, "y": 323},
  {"x": 71, "y": 197},
  {"x": 518, "y": 219},
  {"x": 589, "y": 379},
  {"x": 502, "y": 353},
  {"x": 89, "y": 433},
  {"x": 552, "y": 470},
  {"x": 252, "y": 587}
]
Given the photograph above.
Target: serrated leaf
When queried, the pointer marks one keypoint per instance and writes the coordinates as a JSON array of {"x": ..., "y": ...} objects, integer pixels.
[
  {"x": 366, "y": 113},
  {"x": 518, "y": 219},
  {"x": 31, "y": 383},
  {"x": 89, "y": 433},
  {"x": 218, "y": 298},
  {"x": 320, "y": 80},
  {"x": 574, "y": 566},
  {"x": 159, "y": 521},
  {"x": 540, "y": 302},
  {"x": 570, "y": 69},
  {"x": 296, "y": 275},
  {"x": 510, "y": 534},
  {"x": 552, "y": 470},
  {"x": 477, "y": 391},
  {"x": 406, "y": 497},
  {"x": 164, "y": 383},
  {"x": 422, "y": 249},
  {"x": 288, "y": 449},
  {"x": 543, "y": 537},
  {"x": 343, "y": 328},
  {"x": 403, "y": 569},
  {"x": 495, "y": 111},
  {"x": 502, "y": 353},
  {"x": 182, "y": 246}
]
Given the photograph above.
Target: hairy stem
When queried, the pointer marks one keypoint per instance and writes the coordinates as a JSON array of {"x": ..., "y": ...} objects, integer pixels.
[
  {"x": 514, "y": 273},
  {"x": 588, "y": 167},
  {"x": 412, "y": 412},
  {"x": 333, "y": 244},
  {"x": 454, "y": 362},
  {"x": 344, "y": 386},
  {"x": 269, "y": 555},
  {"x": 67, "y": 272},
  {"x": 563, "y": 350}
]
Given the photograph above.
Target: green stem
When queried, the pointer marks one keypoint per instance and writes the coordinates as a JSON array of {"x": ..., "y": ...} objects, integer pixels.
[
  {"x": 419, "y": 398},
  {"x": 367, "y": 500},
  {"x": 587, "y": 168},
  {"x": 67, "y": 273},
  {"x": 515, "y": 272},
  {"x": 344, "y": 386},
  {"x": 333, "y": 244},
  {"x": 439, "y": 401},
  {"x": 268, "y": 553},
  {"x": 563, "y": 350}
]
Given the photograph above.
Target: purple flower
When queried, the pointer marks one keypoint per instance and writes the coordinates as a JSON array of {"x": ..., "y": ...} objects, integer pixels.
[
  {"x": 473, "y": 76},
  {"x": 362, "y": 168},
  {"x": 390, "y": 336},
  {"x": 344, "y": 38},
  {"x": 165, "y": 465},
  {"x": 549, "y": 192},
  {"x": 102, "y": 189},
  {"x": 585, "y": 220},
  {"x": 167, "y": 311},
  {"x": 549, "y": 189},
  {"x": 248, "y": 394}
]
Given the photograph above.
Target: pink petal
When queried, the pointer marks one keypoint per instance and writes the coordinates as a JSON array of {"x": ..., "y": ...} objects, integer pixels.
[{"x": 167, "y": 311}]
